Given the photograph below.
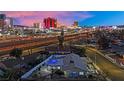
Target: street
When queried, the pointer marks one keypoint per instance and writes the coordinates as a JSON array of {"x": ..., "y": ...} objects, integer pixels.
[
  {"x": 110, "y": 69},
  {"x": 33, "y": 42}
]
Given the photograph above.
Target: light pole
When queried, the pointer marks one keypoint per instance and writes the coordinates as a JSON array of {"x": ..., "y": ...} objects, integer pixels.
[
  {"x": 95, "y": 58},
  {"x": 14, "y": 45}
]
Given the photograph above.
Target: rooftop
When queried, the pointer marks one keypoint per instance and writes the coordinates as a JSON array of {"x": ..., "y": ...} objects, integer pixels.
[{"x": 69, "y": 63}]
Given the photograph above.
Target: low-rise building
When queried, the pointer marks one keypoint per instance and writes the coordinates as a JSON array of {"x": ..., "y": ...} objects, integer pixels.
[{"x": 71, "y": 64}]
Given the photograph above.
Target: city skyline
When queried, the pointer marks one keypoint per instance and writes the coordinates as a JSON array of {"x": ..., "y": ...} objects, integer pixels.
[{"x": 94, "y": 18}]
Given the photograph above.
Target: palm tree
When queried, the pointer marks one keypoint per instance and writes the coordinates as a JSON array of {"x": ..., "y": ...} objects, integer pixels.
[
  {"x": 61, "y": 39},
  {"x": 16, "y": 52}
]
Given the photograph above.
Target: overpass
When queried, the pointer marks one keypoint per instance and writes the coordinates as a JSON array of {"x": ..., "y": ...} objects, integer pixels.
[{"x": 31, "y": 42}]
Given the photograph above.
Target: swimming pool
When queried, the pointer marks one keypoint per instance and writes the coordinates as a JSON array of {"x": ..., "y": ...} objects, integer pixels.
[
  {"x": 56, "y": 60},
  {"x": 52, "y": 61}
]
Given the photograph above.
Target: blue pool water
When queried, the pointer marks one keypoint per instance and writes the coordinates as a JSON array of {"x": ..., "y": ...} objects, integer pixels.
[{"x": 52, "y": 61}]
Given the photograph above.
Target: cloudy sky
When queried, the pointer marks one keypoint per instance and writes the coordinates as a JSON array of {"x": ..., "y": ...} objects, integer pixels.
[{"x": 68, "y": 17}]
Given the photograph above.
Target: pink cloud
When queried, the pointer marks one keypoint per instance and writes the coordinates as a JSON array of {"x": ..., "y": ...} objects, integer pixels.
[{"x": 64, "y": 17}]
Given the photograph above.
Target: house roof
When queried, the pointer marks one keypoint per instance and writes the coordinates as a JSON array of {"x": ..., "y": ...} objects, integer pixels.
[
  {"x": 2, "y": 65},
  {"x": 78, "y": 62}
]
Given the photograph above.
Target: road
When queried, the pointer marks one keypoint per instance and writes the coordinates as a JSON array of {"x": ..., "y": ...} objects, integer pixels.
[
  {"x": 6, "y": 47},
  {"x": 111, "y": 70}
]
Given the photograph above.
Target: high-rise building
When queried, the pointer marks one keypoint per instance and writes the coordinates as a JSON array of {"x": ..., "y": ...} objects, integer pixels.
[
  {"x": 2, "y": 21},
  {"x": 36, "y": 25},
  {"x": 9, "y": 22},
  {"x": 2, "y": 16},
  {"x": 75, "y": 24},
  {"x": 50, "y": 23}
]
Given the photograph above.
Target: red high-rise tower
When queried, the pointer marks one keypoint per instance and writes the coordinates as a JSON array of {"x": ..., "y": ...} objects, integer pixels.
[{"x": 50, "y": 23}]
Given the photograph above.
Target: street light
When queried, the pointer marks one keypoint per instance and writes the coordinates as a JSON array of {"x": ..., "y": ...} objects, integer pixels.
[{"x": 95, "y": 58}]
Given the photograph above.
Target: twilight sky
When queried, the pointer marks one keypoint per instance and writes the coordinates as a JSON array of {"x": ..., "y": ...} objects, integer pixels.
[{"x": 68, "y": 17}]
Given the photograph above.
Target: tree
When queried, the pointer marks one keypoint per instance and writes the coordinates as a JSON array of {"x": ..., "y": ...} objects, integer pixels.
[
  {"x": 121, "y": 34},
  {"x": 16, "y": 52},
  {"x": 82, "y": 51},
  {"x": 78, "y": 50},
  {"x": 61, "y": 39},
  {"x": 59, "y": 72},
  {"x": 103, "y": 42},
  {"x": 97, "y": 34}
]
